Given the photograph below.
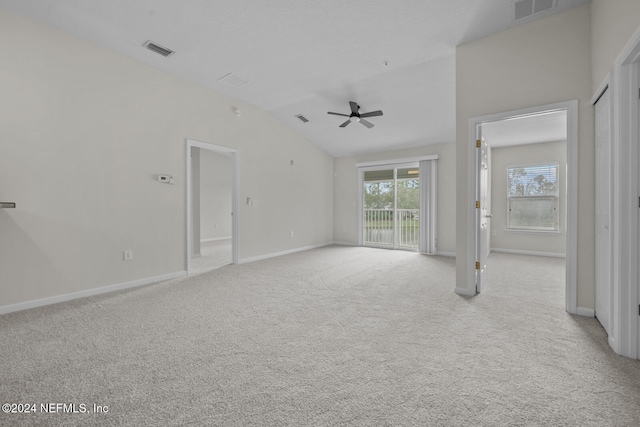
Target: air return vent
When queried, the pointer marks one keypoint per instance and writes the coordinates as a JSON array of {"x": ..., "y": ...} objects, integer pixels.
[
  {"x": 160, "y": 50},
  {"x": 525, "y": 9},
  {"x": 233, "y": 80}
]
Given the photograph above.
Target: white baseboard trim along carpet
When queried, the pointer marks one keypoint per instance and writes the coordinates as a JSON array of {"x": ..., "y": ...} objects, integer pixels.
[
  {"x": 278, "y": 254},
  {"x": 334, "y": 336},
  {"x": 215, "y": 239},
  {"x": 88, "y": 293},
  {"x": 534, "y": 253}
]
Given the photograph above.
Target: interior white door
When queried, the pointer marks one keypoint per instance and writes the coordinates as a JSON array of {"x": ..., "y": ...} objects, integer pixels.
[
  {"x": 603, "y": 211},
  {"x": 482, "y": 213}
]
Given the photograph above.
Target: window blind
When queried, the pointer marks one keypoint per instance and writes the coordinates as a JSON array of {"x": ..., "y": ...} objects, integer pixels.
[{"x": 532, "y": 197}]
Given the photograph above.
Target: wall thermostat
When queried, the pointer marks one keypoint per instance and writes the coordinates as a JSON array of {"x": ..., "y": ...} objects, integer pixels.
[{"x": 166, "y": 179}]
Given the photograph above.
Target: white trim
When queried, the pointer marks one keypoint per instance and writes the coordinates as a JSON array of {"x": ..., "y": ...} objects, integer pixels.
[
  {"x": 534, "y": 253},
  {"x": 287, "y": 252},
  {"x": 360, "y": 212},
  {"x": 88, "y": 293},
  {"x": 466, "y": 292},
  {"x": 344, "y": 244},
  {"x": 624, "y": 82},
  {"x": 572, "y": 192},
  {"x": 585, "y": 312},
  {"x": 448, "y": 254},
  {"x": 396, "y": 161},
  {"x": 233, "y": 154},
  {"x": 215, "y": 239}
]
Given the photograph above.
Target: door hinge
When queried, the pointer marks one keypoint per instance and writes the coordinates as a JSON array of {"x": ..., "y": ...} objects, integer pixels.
[
  {"x": 478, "y": 143},
  {"x": 477, "y": 204},
  {"x": 477, "y": 265}
]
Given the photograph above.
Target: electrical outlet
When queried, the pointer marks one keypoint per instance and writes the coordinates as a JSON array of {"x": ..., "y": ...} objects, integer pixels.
[
  {"x": 292, "y": 234},
  {"x": 127, "y": 255}
]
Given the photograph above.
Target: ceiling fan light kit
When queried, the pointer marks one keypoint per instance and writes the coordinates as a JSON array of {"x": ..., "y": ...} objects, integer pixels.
[{"x": 356, "y": 116}]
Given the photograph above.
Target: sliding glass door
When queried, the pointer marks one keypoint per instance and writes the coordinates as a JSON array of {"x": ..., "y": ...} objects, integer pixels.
[{"x": 391, "y": 207}]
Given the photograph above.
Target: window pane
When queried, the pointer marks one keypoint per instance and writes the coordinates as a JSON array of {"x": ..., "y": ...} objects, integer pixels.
[
  {"x": 533, "y": 180},
  {"x": 532, "y": 197},
  {"x": 533, "y": 213}
]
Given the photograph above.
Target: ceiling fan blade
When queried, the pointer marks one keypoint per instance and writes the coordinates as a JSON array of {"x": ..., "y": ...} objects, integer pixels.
[
  {"x": 338, "y": 114},
  {"x": 354, "y": 107},
  {"x": 372, "y": 114},
  {"x": 345, "y": 124},
  {"x": 366, "y": 123}
]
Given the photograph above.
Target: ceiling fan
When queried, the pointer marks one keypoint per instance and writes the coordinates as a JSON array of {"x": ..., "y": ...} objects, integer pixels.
[{"x": 356, "y": 116}]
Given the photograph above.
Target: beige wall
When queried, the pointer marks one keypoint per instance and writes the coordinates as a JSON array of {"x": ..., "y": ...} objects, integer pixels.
[
  {"x": 83, "y": 134},
  {"x": 346, "y": 192},
  {"x": 539, "y": 63},
  {"x": 613, "y": 22},
  {"x": 215, "y": 195},
  {"x": 501, "y": 159}
]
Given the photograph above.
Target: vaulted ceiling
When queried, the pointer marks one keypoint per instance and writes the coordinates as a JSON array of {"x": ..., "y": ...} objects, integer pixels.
[{"x": 293, "y": 57}]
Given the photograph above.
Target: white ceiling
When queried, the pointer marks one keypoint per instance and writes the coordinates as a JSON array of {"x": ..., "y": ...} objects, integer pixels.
[
  {"x": 531, "y": 129},
  {"x": 305, "y": 57}
]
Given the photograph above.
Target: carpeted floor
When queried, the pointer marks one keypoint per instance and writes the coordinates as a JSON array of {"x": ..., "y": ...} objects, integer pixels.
[
  {"x": 213, "y": 255},
  {"x": 329, "y": 337}
]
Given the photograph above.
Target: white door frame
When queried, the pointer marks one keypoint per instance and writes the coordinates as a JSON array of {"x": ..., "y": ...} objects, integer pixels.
[
  {"x": 233, "y": 154},
  {"x": 624, "y": 82},
  {"x": 571, "y": 107}
]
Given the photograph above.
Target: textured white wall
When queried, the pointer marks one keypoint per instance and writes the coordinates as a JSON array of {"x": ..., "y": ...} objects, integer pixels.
[
  {"x": 613, "y": 22},
  {"x": 501, "y": 159},
  {"x": 83, "y": 134},
  {"x": 215, "y": 195},
  {"x": 539, "y": 63},
  {"x": 346, "y": 192}
]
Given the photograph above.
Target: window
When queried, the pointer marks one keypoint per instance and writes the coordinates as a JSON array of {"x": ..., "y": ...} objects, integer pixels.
[{"x": 532, "y": 197}]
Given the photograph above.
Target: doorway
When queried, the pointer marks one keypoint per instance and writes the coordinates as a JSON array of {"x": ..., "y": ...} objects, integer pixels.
[
  {"x": 479, "y": 126},
  {"x": 212, "y": 227}
]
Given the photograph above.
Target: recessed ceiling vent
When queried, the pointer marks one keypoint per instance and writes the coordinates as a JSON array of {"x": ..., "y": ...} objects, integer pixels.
[
  {"x": 302, "y": 118},
  {"x": 233, "y": 80},
  {"x": 525, "y": 9},
  {"x": 160, "y": 50}
]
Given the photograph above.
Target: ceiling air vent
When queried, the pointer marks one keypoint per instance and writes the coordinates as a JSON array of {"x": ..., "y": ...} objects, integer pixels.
[
  {"x": 160, "y": 50},
  {"x": 302, "y": 118},
  {"x": 233, "y": 80},
  {"x": 528, "y": 8}
]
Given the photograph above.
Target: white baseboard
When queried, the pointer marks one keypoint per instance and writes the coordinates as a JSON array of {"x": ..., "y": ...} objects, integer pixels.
[
  {"x": 534, "y": 253},
  {"x": 88, "y": 293},
  {"x": 287, "y": 252},
  {"x": 214, "y": 239},
  {"x": 449, "y": 254},
  {"x": 344, "y": 244},
  {"x": 465, "y": 292},
  {"x": 585, "y": 312}
]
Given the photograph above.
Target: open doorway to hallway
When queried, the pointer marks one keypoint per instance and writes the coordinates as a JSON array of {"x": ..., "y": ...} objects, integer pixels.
[{"x": 212, "y": 225}]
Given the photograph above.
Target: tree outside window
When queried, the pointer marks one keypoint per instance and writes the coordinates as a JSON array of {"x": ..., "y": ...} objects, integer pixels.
[{"x": 532, "y": 197}]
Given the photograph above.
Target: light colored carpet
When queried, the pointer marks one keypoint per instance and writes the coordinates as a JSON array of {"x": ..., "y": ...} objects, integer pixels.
[
  {"x": 329, "y": 337},
  {"x": 212, "y": 255}
]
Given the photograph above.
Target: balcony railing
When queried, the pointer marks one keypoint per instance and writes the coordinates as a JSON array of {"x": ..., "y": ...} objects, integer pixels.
[{"x": 379, "y": 228}]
